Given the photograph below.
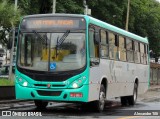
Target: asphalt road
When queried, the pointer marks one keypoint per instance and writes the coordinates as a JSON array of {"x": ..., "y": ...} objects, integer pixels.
[
  {"x": 113, "y": 110},
  {"x": 147, "y": 107}
]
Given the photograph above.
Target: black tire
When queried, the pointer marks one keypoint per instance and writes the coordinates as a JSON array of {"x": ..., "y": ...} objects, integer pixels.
[
  {"x": 40, "y": 104},
  {"x": 133, "y": 98},
  {"x": 124, "y": 101},
  {"x": 99, "y": 105}
]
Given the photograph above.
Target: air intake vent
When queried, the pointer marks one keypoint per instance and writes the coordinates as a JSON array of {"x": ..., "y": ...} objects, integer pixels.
[{"x": 49, "y": 93}]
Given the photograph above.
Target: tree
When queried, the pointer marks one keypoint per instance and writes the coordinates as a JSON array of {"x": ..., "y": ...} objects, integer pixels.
[
  {"x": 144, "y": 19},
  {"x": 9, "y": 18},
  {"x": 45, "y": 6}
]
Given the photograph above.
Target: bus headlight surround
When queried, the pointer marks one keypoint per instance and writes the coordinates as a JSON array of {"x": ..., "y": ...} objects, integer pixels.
[
  {"x": 78, "y": 83},
  {"x": 22, "y": 82}
]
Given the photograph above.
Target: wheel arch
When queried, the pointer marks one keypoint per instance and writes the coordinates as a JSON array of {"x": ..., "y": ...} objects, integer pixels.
[
  {"x": 104, "y": 81},
  {"x": 136, "y": 81}
]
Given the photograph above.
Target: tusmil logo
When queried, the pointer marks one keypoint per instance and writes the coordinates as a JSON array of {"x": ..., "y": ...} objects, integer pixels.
[{"x": 48, "y": 85}]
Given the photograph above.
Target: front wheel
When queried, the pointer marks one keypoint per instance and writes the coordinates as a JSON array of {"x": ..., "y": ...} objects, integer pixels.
[
  {"x": 40, "y": 104},
  {"x": 100, "y": 104}
]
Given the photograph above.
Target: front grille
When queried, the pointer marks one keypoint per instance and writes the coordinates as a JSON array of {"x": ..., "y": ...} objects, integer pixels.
[
  {"x": 44, "y": 85},
  {"x": 54, "y": 85},
  {"x": 49, "y": 93},
  {"x": 58, "y": 85}
]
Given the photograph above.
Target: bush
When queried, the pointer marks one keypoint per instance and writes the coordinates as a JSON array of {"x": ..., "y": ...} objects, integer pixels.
[{"x": 6, "y": 82}]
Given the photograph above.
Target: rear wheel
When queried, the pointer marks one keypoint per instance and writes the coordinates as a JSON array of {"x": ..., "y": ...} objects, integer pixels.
[
  {"x": 40, "y": 104},
  {"x": 123, "y": 101},
  {"x": 132, "y": 99}
]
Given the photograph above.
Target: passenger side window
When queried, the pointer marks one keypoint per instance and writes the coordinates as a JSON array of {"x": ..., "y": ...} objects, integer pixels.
[
  {"x": 113, "y": 45},
  {"x": 142, "y": 53},
  {"x": 122, "y": 49},
  {"x": 129, "y": 47},
  {"x": 136, "y": 52},
  {"x": 146, "y": 54},
  {"x": 104, "y": 44}
]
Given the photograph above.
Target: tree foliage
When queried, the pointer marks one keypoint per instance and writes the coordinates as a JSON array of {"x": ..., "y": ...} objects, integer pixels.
[
  {"x": 8, "y": 19},
  {"x": 144, "y": 18}
]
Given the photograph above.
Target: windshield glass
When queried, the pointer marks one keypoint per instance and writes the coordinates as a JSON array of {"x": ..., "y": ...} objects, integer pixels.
[{"x": 53, "y": 52}]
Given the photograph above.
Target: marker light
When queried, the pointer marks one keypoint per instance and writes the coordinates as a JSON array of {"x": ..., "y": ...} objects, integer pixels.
[
  {"x": 20, "y": 80},
  {"x": 25, "y": 84},
  {"x": 75, "y": 85}
]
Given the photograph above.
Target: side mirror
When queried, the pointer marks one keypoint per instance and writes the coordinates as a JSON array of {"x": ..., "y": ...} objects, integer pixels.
[{"x": 94, "y": 61}]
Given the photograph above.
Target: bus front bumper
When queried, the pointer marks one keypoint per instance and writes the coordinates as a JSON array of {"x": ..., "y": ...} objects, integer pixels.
[{"x": 66, "y": 95}]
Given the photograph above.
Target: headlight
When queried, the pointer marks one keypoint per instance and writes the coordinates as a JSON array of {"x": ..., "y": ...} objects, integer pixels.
[
  {"x": 75, "y": 85},
  {"x": 25, "y": 83},
  {"x": 78, "y": 83}
]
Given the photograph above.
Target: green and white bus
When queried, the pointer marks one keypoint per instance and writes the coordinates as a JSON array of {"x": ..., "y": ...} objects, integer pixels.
[{"x": 77, "y": 58}]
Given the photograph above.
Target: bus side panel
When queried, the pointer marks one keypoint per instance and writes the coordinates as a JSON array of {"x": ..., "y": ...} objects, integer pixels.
[
  {"x": 120, "y": 78},
  {"x": 143, "y": 77}
]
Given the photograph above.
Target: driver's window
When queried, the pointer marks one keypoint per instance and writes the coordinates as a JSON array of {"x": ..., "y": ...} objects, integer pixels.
[{"x": 93, "y": 47}]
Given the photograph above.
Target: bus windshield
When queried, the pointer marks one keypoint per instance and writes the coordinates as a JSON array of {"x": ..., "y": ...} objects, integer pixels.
[{"x": 52, "y": 51}]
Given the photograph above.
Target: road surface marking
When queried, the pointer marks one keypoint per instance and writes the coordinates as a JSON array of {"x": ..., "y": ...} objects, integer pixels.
[{"x": 130, "y": 117}]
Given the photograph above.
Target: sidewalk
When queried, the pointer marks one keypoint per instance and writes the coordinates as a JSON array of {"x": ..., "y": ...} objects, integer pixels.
[
  {"x": 153, "y": 94},
  {"x": 154, "y": 87}
]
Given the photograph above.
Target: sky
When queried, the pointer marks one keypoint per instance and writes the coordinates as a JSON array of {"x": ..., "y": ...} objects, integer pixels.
[{"x": 158, "y": 0}]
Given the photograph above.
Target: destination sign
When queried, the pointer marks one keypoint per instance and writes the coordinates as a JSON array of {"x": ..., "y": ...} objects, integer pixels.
[{"x": 52, "y": 23}]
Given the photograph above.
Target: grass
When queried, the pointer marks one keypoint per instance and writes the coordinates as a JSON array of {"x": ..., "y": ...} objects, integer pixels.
[{"x": 6, "y": 82}]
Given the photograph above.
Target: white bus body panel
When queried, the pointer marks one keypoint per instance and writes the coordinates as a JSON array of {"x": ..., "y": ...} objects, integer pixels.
[{"x": 120, "y": 78}]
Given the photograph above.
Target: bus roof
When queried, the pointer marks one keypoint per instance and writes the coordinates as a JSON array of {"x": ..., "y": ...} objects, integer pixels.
[
  {"x": 97, "y": 22},
  {"x": 116, "y": 29},
  {"x": 50, "y": 15}
]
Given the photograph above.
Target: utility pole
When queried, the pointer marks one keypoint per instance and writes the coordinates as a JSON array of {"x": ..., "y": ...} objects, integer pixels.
[
  {"x": 87, "y": 11},
  {"x": 16, "y": 2},
  {"x": 54, "y": 7},
  {"x": 85, "y": 7},
  {"x": 127, "y": 18},
  {"x": 12, "y": 49}
]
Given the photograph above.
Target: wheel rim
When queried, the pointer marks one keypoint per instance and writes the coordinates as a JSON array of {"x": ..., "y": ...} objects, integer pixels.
[
  {"x": 135, "y": 95},
  {"x": 101, "y": 100}
]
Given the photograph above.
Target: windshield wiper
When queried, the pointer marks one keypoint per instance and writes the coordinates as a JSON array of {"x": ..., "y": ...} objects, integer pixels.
[
  {"x": 61, "y": 40},
  {"x": 44, "y": 40}
]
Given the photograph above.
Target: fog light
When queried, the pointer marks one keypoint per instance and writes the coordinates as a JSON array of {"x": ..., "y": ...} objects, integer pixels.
[
  {"x": 75, "y": 85},
  {"x": 25, "y": 84}
]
